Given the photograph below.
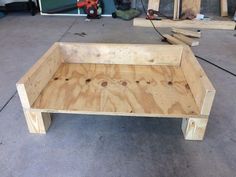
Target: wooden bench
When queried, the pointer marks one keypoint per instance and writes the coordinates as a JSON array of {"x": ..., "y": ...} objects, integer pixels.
[{"x": 163, "y": 81}]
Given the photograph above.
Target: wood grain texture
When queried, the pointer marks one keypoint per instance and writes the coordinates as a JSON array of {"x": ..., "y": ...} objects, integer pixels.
[
  {"x": 187, "y": 32},
  {"x": 187, "y": 40},
  {"x": 201, "y": 87},
  {"x": 173, "y": 40},
  {"x": 118, "y": 90},
  {"x": 227, "y": 25},
  {"x": 194, "y": 5},
  {"x": 137, "y": 54},
  {"x": 154, "y": 4},
  {"x": 224, "y": 8},
  {"x": 33, "y": 82},
  {"x": 37, "y": 122},
  {"x": 194, "y": 129}
]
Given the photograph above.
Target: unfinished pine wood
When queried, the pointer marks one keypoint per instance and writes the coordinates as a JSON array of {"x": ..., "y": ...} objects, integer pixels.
[
  {"x": 187, "y": 40},
  {"x": 202, "y": 24},
  {"x": 32, "y": 83},
  {"x": 224, "y": 8},
  {"x": 202, "y": 89},
  {"x": 194, "y": 5},
  {"x": 137, "y": 54},
  {"x": 154, "y": 4},
  {"x": 173, "y": 40},
  {"x": 176, "y": 9},
  {"x": 187, "y": 32},
  {"x": 194, "y": 129},
  {"x": 37, "y": 122},
  {"x": 118, "y": 90}
]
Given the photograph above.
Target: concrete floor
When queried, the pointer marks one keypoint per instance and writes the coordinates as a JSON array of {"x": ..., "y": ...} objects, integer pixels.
[{"x": 103, "y": 146}]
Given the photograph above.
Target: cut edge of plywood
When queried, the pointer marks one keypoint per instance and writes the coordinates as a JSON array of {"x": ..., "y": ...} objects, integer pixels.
[
  {"x": 199, "y": 24},
  {"x": 173, "y": 40}
]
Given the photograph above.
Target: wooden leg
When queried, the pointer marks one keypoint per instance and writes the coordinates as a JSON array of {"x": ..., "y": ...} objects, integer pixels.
[
  {"x": 194, "y": 129},
  {"x": 37, "y": 122}
]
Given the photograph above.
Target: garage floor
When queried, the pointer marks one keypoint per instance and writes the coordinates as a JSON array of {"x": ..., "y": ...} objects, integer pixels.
[{"x": 103, "y": 146}]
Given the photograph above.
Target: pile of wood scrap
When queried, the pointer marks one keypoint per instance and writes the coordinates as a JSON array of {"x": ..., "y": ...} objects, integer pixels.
[{"x": 183, "y": 37}]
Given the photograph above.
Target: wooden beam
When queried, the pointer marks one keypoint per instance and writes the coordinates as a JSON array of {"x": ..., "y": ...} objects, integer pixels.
[
  {"x": 154, "y": 4},
  {"x": 194, "y": 129},
  {"x": 227, "y": 25},
  {"x": 201, "y": 87},
  {"x": 176, "y": 9},
  {"x": 187, "y": 40},
  {"x": 138, "y": 54},
  {"x": 187, "y": 32},
  {"x": 173, "y": 40},
  {"x": 194, "y": 5},
  {"x": 224, "y": 8},
  {"x": 37, "y": 122},
  {"x": 32, "y": 83}
]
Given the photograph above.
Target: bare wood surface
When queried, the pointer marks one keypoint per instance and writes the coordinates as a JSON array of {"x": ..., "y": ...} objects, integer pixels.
[
  {"x": 187, "y": 40},
  {"x": 199, "y": 24},
  {"x": 37, "y": 122},
  {"x": 224, "y": 8},
  {"x": 118, "y": 90},
  {"x": 176, "y": 9},
  {"x": 201, "y": 87},
  {"x": 33, "y": 82},
  {"x": 187, "y": 32},
  {"x": 194, "y": 5},
  {"x": 154, "y": 4},
  {"x": 194, "y": 129},
  {"x": 138, "y": 54},
  {"x": 173, "y": 40}
]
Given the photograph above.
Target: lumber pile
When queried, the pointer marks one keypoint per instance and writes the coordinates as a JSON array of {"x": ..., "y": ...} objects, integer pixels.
[{"x": 183, "y": 37}]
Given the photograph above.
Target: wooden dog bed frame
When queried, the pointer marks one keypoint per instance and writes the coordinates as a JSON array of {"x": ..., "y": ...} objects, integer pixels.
[{"x": 118, "y": 79}]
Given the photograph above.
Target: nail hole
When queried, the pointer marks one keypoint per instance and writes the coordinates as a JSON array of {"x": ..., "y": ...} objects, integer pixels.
[
  {"x": 137, "y": 82},
  {"x": 170, "y": 83},
  {"x": 104, "y": 84},
  {"x": 124, "y": 83},
  {"x": 88, "y": 80},
  {"x": 56, "y": 78},
  {"x": 66, "y": 79},
  {"x": 187, "y": 86},
  {"x": 148, "y": 82}
]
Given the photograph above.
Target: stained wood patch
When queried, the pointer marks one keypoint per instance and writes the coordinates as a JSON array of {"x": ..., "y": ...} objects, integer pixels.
[{"x": 117, "y": 90}]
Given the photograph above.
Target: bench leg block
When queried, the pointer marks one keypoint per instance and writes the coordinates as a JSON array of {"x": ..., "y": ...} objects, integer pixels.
[
  {"x": 38, "y": 122},
  {"x": 194, "y": 129}
]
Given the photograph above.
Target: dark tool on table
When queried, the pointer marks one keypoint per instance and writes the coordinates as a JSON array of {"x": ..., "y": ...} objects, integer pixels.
[
  {"x": 153, "y": 15},
  {"x": 93, "y": 8}
]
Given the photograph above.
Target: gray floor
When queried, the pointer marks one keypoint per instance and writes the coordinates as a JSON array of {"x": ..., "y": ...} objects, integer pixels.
[{"x": 89, "y": 146}]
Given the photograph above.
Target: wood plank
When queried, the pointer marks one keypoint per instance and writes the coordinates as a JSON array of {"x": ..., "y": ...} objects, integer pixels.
[
  {"x": 153, "y": 91},
  {"x": 194, "y": 5},
  {"x": 187, "y": 40},
  {"x": 194, "y": 129},
  {"x": 154, "y": 4},
  {"x": 138, "y": 54},
  {"x": 33, "y": 82},
  {"x": 227, "y": 25},
  {"x": 37, "y": 122},
  {"x": 173, "y": 40},
  {"x": 201, "y": 88},
  {"x": 176, "y": 9},
  {"x": 187, "y": 32},
  {"x": 224, "y": 8}
]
